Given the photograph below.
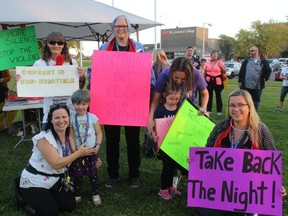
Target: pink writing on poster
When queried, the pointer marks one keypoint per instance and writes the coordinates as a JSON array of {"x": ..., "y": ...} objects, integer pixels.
[
  {"x": 162, "y": 126},
  {"x": 120, "y": 87},
  {"x": 238, "y": 180}
]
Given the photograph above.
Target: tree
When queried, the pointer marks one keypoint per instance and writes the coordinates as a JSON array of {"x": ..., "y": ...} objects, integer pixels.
[
  {"x": 269, "y": 37},
  {"x": 227, "y": 45}
]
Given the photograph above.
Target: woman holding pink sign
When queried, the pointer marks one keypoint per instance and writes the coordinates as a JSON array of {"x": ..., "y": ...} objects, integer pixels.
[{"x": 121, "y": 27}]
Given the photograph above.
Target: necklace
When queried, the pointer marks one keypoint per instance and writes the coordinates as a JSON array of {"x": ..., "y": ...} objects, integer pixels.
[
  {"x": 236, "y": 128},
  {"x": 239, "y": 141},
  {"x": 122, "y": 48}
]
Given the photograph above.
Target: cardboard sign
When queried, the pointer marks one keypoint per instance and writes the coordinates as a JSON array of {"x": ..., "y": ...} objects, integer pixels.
[
  {"x": 240, "y": 180},
  {"x": 187, "y": 130},
  {"x": 47, "y": 81},
  {"x": 120, "y": 87},
  {"x": 18, "y": 47},
  {"x": 162, "y": 126}
]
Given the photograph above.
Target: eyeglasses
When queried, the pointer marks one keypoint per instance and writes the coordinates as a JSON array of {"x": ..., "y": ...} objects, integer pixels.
[
  {"x": 121, "y": 26},
  {"x": 60, "y": 43},
  {"x": 251, "y": 50},
  {"x": 239, "y": 106}
]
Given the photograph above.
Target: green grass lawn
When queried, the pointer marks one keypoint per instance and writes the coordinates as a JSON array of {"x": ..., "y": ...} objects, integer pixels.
[{"x": 124, "y": 201}]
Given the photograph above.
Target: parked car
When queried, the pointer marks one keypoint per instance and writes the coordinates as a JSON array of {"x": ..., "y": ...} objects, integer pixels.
[
  {"x": 282, "y": 62},
  {"x": 232, "y": 69},
  {"x": 274, "y": 63}
]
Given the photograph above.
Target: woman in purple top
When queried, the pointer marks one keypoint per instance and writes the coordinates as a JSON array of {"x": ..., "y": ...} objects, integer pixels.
[{"x": 183, "y": 74}]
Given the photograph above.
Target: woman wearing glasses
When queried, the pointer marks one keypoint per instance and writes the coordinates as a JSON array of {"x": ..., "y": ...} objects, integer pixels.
[
  {"x": 241, "y": 129},
  {"x": 121, "y": 27},
  {"x": 43, "y": 184}
]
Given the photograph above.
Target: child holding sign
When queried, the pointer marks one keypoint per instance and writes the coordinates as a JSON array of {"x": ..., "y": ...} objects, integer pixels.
[
  {"x": 169, "y": 107},
  {"x": 86, "y": 130}
]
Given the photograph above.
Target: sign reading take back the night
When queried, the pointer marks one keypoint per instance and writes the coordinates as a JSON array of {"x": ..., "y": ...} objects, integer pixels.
[{"x": 240, "y": 180}]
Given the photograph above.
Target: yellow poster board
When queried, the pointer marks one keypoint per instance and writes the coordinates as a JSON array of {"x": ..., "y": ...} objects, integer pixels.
[{"x": 187, "y": 130}]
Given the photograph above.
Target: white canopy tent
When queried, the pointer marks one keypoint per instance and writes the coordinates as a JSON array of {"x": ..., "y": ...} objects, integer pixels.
[{"x": 86, "y": 20}]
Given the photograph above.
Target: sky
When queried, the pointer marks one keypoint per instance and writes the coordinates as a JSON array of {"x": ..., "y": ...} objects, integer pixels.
[{"x": 226, "y": 16}]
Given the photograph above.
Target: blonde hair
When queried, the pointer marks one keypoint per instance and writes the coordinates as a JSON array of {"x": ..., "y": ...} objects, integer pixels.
[
  {"x": 253, "y": 120},
  {"x": 160, "y": 55}
]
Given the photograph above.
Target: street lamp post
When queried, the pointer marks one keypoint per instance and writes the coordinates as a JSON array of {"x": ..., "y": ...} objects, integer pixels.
[
  {"x": 161, "y": 26},
  {"x": 203, "y": 39},
  {"x": 155, "y": 29}
]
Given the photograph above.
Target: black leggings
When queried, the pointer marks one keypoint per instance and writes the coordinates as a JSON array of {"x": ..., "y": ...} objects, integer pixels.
[
  {"x": 94, "y": 182},
  {"x": 48, "y": 202},
  {"x": 132, "y": 135}
]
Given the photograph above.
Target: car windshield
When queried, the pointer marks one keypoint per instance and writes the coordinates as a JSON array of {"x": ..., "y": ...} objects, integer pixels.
[{"x": 229, "y": 65}]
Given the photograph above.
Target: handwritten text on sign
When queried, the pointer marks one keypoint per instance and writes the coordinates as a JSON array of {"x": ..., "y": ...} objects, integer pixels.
[
  {"x": 188, "y": 129},
  {"x": 18, "y": 47},
  {"x": 120, "y": 87},
  {"x": 238, "y": 180},
  {"x": 47, "y": 81}
]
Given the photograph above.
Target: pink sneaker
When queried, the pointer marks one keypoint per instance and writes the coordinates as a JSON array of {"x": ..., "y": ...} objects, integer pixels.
[
  {"x": 165, "y": 194},
  {"x": 173, "y": 191}
]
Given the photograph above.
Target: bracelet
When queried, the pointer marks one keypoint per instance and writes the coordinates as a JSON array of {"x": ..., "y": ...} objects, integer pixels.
[{"x": 97, "y": 144}]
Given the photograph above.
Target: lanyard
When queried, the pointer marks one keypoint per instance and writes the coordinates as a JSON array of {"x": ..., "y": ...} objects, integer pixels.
[
  {"x": 65, "y": 148},
  {"x": 238, "y": 141},
  {"x": 78, "y": 131}
]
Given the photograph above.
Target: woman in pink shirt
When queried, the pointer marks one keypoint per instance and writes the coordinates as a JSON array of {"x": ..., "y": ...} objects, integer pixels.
[{"x": 213, "y": 78}]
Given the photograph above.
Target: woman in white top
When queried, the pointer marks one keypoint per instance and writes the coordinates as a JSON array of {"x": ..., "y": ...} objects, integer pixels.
[
  {"x": 42, "y": 181},
  {"x": 55, "y": 45}
]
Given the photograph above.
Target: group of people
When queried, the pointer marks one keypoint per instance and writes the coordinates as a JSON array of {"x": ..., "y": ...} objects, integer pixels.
[{"x": 67, "y": 147}]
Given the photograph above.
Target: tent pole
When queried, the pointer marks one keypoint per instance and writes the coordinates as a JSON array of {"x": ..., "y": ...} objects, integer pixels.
[{"x": 81, "y": 59}]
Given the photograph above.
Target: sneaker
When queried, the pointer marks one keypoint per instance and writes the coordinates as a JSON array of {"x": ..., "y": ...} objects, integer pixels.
[
  {"x": 165, "y": 194},
  {"x": 96, "y": 200},
  {"x": 278, "y": 109},
  {"x": 112, "y": 182},
  {"x": 78, "y": 199},
  {"x": 219, "y": 113},
  {"x": 134, "y": 182},
  {"x": 173, "y": 191}
]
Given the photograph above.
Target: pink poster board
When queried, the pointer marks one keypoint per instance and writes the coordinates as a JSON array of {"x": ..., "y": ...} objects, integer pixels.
[
  {"x": 120, "y": 87},
  {"x": 162, "y": 126},
  {"x": 242, "y": 180}
]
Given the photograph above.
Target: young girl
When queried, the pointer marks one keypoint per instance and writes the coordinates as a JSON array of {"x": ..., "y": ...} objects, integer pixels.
[
  {"x": 86, "y": 130},
  {"x": 170, "y": 104}
]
